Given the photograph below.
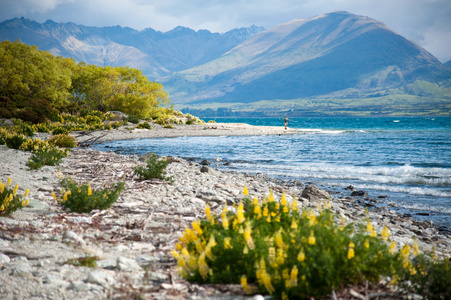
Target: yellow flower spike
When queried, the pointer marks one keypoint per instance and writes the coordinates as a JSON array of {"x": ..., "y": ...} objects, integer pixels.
[
  {"x": 415, "y": 249},
  {"x": 65, "y": 197},
  {"x": 225, "y": 223},
  {"x": 312, "y": 239},
  {"x": 294, "y": 276},
  {"x": 227, "y": 244},
  {"x": 385, "y": 233},
  {"x": 240, "y": 213},
  {"x": 294, "y": 204},
  {"x": 294, "y": 224},
  {"x": 369, "y": 227},
  {"x": 25, "y": 202},
  {"x": 243, "y": 282},
  {"x": 197, "y": 228},
  {"x": 366, "y": 244},
  {"x": 208, "y": 214},
  {"x": 54, "y": 196},
  {"x": 245, "y": 250},
  {"x": 280, "y": 259},
  {"x": 89, "y": 190},
  {"x": 175, "y": 254},
  {"x": 271, "y": 196},
  {"x": 245, "y": 191},
  {"x": 8, "y": 183},
  {"x": 405, "y": 251},
  {"x": 392, "y": 247},
  {"x": 15, "y": 189},
  {"x": 27, "y": 191},
  {"x": 351, "y": 252},
  {"x": 59, "y": 173},
  {"x": 204, "y": 270},
  {"x": 279, "y": 240},
  {"x": 248, "y": 236},
  {"x": 283, "y": 199},
  {"x": 265, "y": 211},
  {"x": 2, "y": 187},
  {"x": 255, "y": 201}
]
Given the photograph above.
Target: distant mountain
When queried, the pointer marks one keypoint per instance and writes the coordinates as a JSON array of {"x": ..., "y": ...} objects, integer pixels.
[
  {"x": 448, "y": 64},
  {"x": 305, "y": 58},
  {"x": 154, "y": 52},
  {"x": 336, "y": 63}
]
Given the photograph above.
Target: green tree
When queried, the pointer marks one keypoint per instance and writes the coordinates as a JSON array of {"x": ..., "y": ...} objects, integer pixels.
[
  {"x": 117, "y": 88},
  {"x": 27, "y": 73}
]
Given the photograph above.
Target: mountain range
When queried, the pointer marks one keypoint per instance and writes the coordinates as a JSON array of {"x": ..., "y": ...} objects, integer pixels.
[{"x": 336, "y": 63}]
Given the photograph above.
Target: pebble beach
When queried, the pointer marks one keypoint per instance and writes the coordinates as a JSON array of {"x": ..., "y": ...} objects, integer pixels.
[{"x": 132, "y": 240}]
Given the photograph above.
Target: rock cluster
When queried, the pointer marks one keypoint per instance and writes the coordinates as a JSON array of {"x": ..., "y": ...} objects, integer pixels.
[{"x": 42, "y": 246}]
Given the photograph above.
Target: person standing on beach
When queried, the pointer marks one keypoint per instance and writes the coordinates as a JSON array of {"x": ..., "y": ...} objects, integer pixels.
[{"x": 285, "y": 122}]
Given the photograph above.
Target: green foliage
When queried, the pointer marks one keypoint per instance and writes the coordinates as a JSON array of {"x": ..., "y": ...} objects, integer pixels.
[
  {"x": 82, "y": 199},
  {"x": 63, "y": 140},
  {"x": 154, "y": 169},
  {"x": 93, "y": 120},
  {"x": 144, "y": 125},
  {"x": 60, "y": 130},
  {"x": 429, "y": 277},
  {"x": 10, "y": 201},
  {"x": 133, "y": 119},
  {"x": 47, "y": 155},
  {"x": 273, "y": 248},
  {"x": 14, "y": 141},
  {"x": 87, "y": 261},
  {"x": 211, "y": 121}
]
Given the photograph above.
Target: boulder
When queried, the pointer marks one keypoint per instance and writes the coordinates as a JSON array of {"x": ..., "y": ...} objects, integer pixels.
[
  {"x": 205, "y": 162},
  {"x": 359, "y": 194},
  {"x": 314, "y": 193}
]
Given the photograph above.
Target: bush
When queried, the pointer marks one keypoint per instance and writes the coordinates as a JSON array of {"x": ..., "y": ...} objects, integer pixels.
[
  {"x": 46, "y": 156},
  {"x": 272, "y": 248},
  {"x": 93, "y": 120},
  {"x": 212, "y": 121},
  {"x": 169, "y": 126},
  {"x": 14, "y": 141},
  {"x": 133, "y": 119},
  {"x": 144, "y": 125},
  {"x": 60, "y": 130},
  {"x": 82, "y": 199},
  {"x": 63, "y": 140},
  {"x": 10, "y": 201},
  {"x": 154, "y": 169}
]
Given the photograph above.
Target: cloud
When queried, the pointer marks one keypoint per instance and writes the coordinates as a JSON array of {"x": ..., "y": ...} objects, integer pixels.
[{"x": 427, "y": 22}]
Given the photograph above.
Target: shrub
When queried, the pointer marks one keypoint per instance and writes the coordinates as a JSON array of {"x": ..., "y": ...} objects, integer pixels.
[
  {"x": 169, "y": 126},
  {"x": 93, "y": 120},
  {"x": 273, "y": 248},
  {"x": 10, "y": 201},
  {"x": 82, "y": 199},
  {"x": 144, "y": 125},
  {"x": 154, "y": 169},
  {"x": 133, "y": 119},
  {"x": 14, "y": 141},
  {"x": 60, "y": 130},
  {"x": 212, "y": 121},
  {"x": 63, "y": 140},
  {"x": 32, "y": 144},
  {"x": 46, "y": 156},
  {"x": 87, "y": 261}
]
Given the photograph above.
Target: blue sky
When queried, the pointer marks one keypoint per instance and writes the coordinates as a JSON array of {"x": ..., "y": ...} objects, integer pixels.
[{"x": 426, "y": 22}]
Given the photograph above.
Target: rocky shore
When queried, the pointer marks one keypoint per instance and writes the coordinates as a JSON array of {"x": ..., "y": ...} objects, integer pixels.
[{"x": 131, "y": 241}]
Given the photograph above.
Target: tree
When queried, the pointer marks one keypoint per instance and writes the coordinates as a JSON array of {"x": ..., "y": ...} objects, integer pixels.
[
  {"x": 27, "y": 73},
  {"x": 117, "y": 88}
]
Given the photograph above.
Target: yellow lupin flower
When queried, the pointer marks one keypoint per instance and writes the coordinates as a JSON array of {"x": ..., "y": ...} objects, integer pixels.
[
  {"x": 265, "y": 211},
  {"x": 227, "y": 244},
  {"x": 65, "y": 197},
  {"x": 244, "y": 285},
  {"x": 175, "y": 254},
  {"x": 2, "y": 187},
  {"x": 280, "y": 259},
  {"x": 208, "y": 214},
  {"x": 283, "y": 199},
  {"x": 89, "y": 190},
  {"x": 15, "y": 189},
  {"x": 271, "y": 196},
  {"x": 8, "y": 182},
  {"x": 196, "y": 227},
  {"x": 25, "y": 202},
  {"x": 351, "y": 252},
  {"x": 245, "y": 191},
  {"x": 203, "y": 266},
  {"x": 240, "y": 213},
  {"x": 294, "y": 224},
  {"x": 54, "y": 196},
  {"x": 301, "y": 256},
  {"x": 415, "y": 249},
  {"x": 385, "y": 233},
  {"x": 392, "y": 247},
  {"x": 294, "y": 276},
  {"x": 294, "y": 204},
  {"x": 59, "y": 173},
  {"x": 405, "y": 251},
  {"x": 312, "y": 239},
  {"x": 366, "y": 244},
  {"x": 27, "y": 191},
  {"x": 247, "y": 236}
]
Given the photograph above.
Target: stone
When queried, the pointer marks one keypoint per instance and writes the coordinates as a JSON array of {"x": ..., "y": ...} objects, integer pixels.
[
  {"x": 359, "y": 194},
  {"x": 127, "y": 264},
  {"x": 100, "y": 277},
  {"x": 71, "y": 236},
  {"x": 4, "y": 259},
  {"x": 205, "y": 162},
  {"x": 314, "y": 193}
]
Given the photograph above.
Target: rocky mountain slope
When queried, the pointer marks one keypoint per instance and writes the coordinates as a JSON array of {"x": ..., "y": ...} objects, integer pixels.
[
  {"x": 309, "y": 57},
  {"x": 154, "y": 52}
]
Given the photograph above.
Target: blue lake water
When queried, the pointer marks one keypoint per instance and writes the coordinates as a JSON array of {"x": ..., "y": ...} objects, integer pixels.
[{"x": 406, "y": 159}]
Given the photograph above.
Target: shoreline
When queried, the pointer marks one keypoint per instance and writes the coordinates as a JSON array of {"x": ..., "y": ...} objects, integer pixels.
[{"x": 133, "y": 238}]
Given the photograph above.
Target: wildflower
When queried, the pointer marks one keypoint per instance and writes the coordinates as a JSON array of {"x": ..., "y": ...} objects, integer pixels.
[
  {"x": 405, "y": 250},
  {"x": 311, "y": 238},
  {"x": 25, "y": 202},
  {"x": 366, "y": 244},
  {"x": 391, "y": 248},
  {"x": 279, "y": 240},
  {"x": 294, "y": 204},
  {"x": 15, "y": 189},
  {"x": 244, "y": 285},
  {"x": 203, "y": 266},
  {"x": 211, "y": 243},
  {"x": 294, "y": 224},
  {"x": 271, "y": 254},
  {"x": 65, "y": 197},
  {"x": 415, "y": 249},
  {"x": 208, "y": 214},
  {"x": 294, "y": 276},
  {"x": 301, "y": 256},
  {"x": 175, "y": 254},
  {"x": 283, "y": 199},
  {"x": 240, "y": 213},
  {"x": 265, "y": 211},
  {"x": 351, "y": 252},
  {"x": 248, "y": 237},
  {"x": 227, "y": 244},
  {"x": 280, "y": 259},
  {"x": 225, "y": 223},
  {"x": 245, "y": 191},
  {"x": 245, "y": 250},
  {"x": 89, "y": 190},
  {"x": 8, "y": 182},
  {"x": 196, "y": 227},
  {"x": 266, "y": 280},
  {"x": 271, "y": 196},
  {"x": 27, "y": 191},
  {"x": 59, "y": 174},
  {"x": 385, "y": 233}
]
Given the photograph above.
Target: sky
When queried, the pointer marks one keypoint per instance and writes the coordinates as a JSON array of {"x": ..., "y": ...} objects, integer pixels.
[{"x": 425, "y": 22}]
